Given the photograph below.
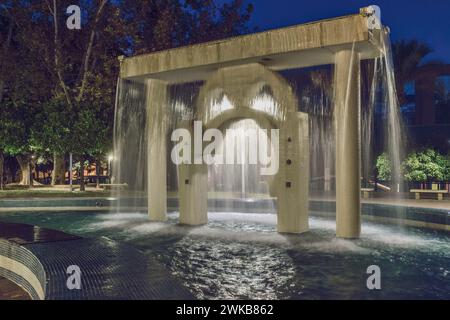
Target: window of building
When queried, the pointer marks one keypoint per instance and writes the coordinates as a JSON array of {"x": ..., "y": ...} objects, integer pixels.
[
  {"x": 442, "y": 99},
  {"x": 410, "y": 88},
  {"x": 408, "y": 110}
]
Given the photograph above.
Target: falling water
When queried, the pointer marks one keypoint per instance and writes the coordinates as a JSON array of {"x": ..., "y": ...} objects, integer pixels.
[
  {"x": 381, "y": 117},
  {"x": 314, "y": 88},
  {"x": 130, "y": 144},
  {"x": 395, "y": 127},
  {"x": 317, "y": 102},
  {"x": 180, "y": 110},
  {"x": 369, "y": 85},
  {"x": 242, "y": 180}
]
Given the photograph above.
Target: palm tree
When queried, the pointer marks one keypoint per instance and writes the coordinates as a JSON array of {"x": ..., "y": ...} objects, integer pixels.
[{"x": 408, "y": 55}]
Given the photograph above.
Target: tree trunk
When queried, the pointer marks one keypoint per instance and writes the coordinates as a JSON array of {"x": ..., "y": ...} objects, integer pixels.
[
  {"x": 25, "y": 166},
  {"x": 82, "y": 187},
  {"x": 88, "y": 52},
  {"x": 59, "y": 170},
  {"x": 2, "y": 160}
]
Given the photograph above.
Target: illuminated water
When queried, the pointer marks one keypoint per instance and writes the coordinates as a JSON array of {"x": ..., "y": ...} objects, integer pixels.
[{"x": 241, "y": 256}]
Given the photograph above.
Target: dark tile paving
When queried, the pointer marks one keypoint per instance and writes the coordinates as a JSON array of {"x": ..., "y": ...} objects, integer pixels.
[
  {"x": 10, "y": 291},
  {"x": 109, "y": 269},
  {"x": 24, "y": 234}
]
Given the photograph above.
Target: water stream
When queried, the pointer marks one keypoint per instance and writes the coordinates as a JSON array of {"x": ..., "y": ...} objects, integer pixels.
[{"x": 240, "y": 255}]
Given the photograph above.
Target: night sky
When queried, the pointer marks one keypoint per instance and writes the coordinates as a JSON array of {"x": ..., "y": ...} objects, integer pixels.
[{"x": 425, "y": 20}]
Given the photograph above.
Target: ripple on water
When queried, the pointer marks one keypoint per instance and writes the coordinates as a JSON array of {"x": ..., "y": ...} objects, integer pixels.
[{"x": 239, "y": 255}]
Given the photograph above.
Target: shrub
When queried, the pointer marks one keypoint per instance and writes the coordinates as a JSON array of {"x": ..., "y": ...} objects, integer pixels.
[
  {"x": 427, "y": 165},
  {"x": 384, "y": 167}
]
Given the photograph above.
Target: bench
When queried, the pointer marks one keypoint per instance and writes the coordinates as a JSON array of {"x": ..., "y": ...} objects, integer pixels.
[
  {"x": 366, "y": 192},
  {"x": 417, "y": 192},
  {"x": 109, "y": 186}
]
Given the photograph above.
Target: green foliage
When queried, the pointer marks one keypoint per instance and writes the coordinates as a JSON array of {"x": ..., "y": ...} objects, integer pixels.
[
  {"x": 15, "y": 123},
  {"x": 427, "y": 165},
  {"x": 57, "y": 90},
  {"x": 384, "y": 167},
  {"x": 89, "y": 132},
  {"x": 82, "y": 130},
  {"x": 51, "y": 130}
]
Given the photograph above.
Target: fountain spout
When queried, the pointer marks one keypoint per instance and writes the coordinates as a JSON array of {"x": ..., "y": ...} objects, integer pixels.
[{"x": 373, "y": 13}]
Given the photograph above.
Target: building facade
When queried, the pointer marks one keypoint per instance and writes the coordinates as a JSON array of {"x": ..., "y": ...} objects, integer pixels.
[{"x": 426, "y": 111}]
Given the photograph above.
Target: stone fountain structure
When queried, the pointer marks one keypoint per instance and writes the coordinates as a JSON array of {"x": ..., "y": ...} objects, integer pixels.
[{"x": 239, "y": 68}]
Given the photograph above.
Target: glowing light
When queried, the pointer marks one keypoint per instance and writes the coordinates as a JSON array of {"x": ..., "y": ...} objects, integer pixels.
[
  {"x": 219, "y": 107},
  {"x": 266, "y": 104}
]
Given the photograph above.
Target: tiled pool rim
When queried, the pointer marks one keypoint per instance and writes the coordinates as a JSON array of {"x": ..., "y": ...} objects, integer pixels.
[
  {"x": 21, "y": 266},
  {"x": 422, "y": 217},
  {"x": 109, "y": 269}
]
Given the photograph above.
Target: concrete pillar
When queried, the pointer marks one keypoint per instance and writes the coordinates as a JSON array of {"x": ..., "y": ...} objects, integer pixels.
[
  {"x": 157, "y": 149},
  {"x": 193, "y": 194},
  {"x": 292, "y": 183},
  {"x": 193, "y": 187},
  {"x": 348, "y": 153}
]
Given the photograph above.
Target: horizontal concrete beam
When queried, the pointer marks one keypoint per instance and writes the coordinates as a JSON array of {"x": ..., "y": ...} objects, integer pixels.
[{"x": 292, "y": 47}]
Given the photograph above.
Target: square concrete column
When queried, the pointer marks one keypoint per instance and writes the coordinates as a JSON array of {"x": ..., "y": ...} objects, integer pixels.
[
  {"x": 292, "y": 183},
  {"x": 193, "y": 194},
  {"x": 157, "y": 149},
  {"x": 348, "y": 152}
]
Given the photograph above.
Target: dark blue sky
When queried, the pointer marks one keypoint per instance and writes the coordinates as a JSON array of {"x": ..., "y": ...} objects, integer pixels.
[{"x": 426, "y": 20}]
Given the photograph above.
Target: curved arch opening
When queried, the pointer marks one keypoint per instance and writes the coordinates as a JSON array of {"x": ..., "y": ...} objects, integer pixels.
[{"x": 243, "y": 179}]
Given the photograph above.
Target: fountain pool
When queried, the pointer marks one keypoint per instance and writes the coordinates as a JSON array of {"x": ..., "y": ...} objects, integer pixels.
[{"x": 241, "y": 256}]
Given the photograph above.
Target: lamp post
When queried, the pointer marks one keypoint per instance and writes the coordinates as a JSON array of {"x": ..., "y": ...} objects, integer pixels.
[{"x": 70, "y": 171}]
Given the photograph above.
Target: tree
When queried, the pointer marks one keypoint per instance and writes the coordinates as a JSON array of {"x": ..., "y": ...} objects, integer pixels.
[
  {"x": 160, "y": 24},
  {"x": 384, "y": 167},
  {"x": 89, "y": 136},
  {"x": 6, "y": 38},
  {"x": 63, "y": 81},
  {"x": 427, "y": 165},
  {"x": 16, "y": 120},
  {"x": 447, "y": 168},
  {"x": 51, "y": 132},
  {"x": 408, "y": 56},
  {"x": 23, "y": 85},
  {"x": 41, "y": 70}
]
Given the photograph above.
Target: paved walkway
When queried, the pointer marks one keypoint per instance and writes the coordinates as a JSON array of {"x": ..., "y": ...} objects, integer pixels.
[
  {"x": 423, "y": 203},
  {"x": 109, "y": 269}
]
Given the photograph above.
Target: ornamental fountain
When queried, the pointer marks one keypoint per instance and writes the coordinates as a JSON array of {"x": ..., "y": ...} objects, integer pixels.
[{"x": 239, "y": 78}]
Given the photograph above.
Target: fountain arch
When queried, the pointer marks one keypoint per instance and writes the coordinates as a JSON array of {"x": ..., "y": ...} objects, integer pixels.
[
  {"x": 342, "y": 41},
  {"x": 242, "y": 86}
]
